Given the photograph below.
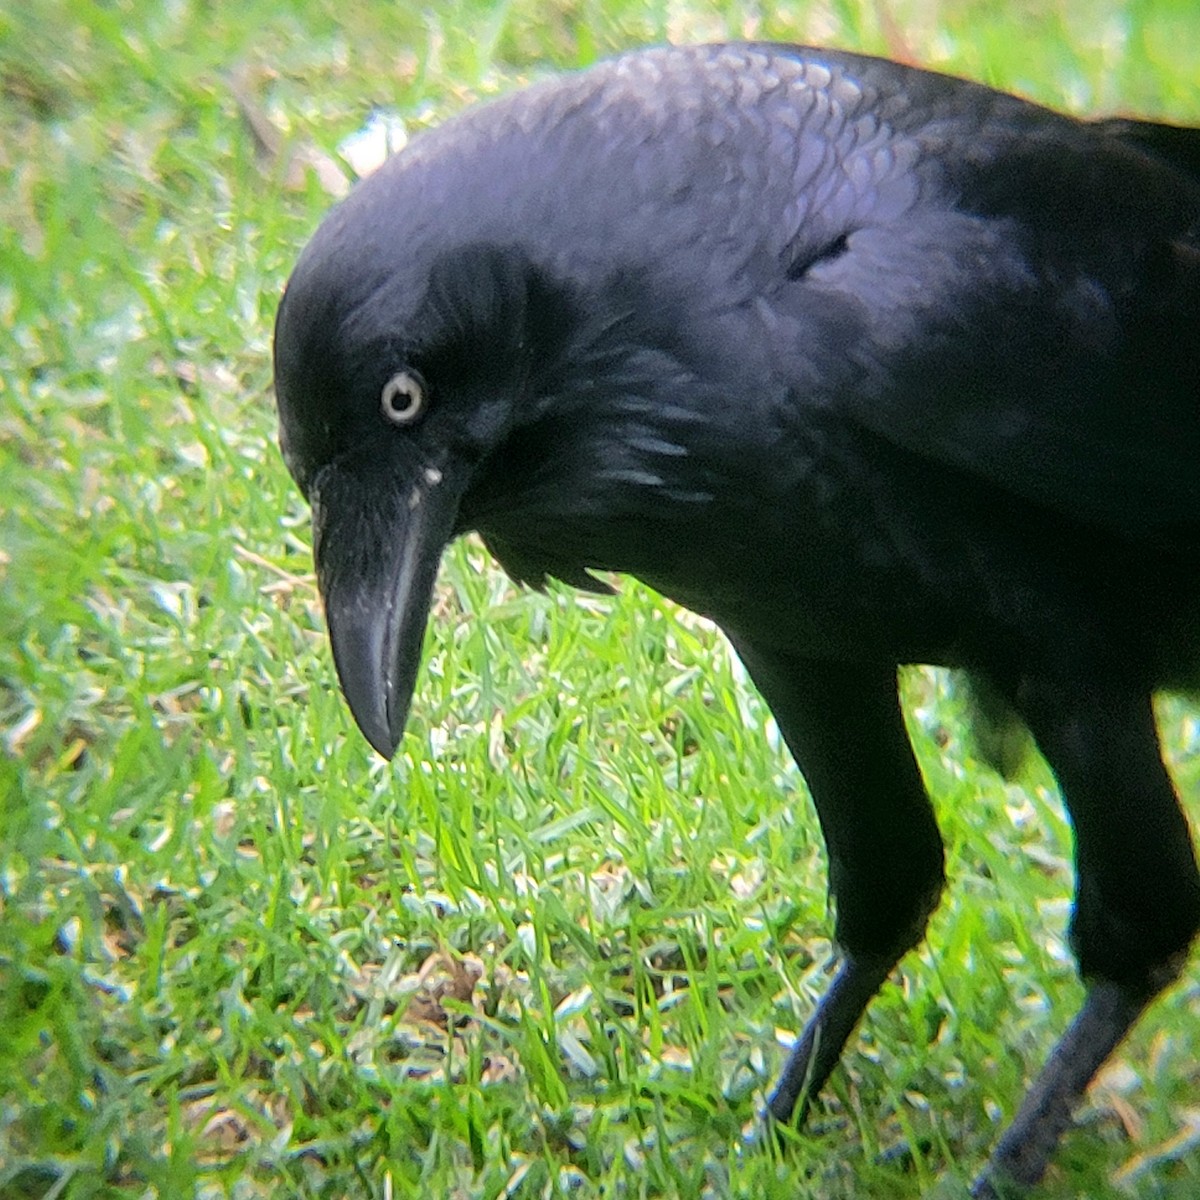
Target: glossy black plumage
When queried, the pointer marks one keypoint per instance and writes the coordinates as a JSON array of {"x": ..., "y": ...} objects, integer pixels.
[{"x": 871, "y": 366}]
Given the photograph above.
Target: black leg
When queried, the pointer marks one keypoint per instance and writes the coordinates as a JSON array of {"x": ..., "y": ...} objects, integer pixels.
[
  {"x": 1137, "y": 904},
  {"x": 844, "y": 726},
  {"x": 817, "y": 1052},
  {"x": 1021, "y": 1155}
]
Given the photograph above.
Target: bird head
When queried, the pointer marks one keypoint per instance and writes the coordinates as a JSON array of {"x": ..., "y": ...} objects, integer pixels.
[{"x": 396, "y": 380}]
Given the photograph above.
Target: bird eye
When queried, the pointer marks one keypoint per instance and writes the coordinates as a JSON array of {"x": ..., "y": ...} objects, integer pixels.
[{"x": 403, "y": 397}]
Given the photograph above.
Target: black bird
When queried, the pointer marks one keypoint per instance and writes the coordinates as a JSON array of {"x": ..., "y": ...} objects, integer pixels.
[{"x": 871, "y": 366}]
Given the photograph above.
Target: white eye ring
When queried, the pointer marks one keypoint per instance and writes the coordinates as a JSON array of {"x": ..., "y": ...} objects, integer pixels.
[{"x": 403, "y": 397}]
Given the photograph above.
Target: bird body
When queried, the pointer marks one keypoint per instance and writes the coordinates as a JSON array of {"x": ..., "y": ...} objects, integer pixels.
[{"x": 871, "y": 366}]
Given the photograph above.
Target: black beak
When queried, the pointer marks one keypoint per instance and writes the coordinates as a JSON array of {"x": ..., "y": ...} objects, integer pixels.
[{"x": 380, "y": 524}]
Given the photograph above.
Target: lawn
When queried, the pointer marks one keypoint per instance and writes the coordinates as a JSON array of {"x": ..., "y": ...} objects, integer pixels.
[{"x": 559, "y": 946}]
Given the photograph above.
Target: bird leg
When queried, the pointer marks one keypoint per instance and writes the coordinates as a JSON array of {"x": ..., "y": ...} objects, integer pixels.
[
  {"x": 845, "y": 729},
  {"x": 1022, "y": 1154},
  {"x": 817, "y": 1051},
  {"x": 1137, "y": 904}
]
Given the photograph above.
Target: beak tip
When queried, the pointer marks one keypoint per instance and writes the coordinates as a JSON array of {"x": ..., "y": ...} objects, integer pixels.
[
  {"x": 385, "y": 747},
  {"x": 377, "y": 726},
  {"x": 383, "y": 751}
]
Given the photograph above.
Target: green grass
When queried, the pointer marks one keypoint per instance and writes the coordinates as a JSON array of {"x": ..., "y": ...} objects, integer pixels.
[{"x": 552, "y": 948}]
